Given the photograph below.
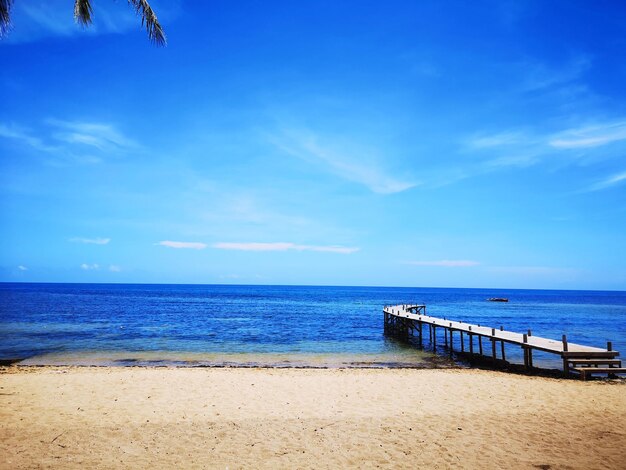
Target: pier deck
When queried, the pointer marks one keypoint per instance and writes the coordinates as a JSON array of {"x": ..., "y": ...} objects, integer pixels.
[{"x": 407, "y": 319}]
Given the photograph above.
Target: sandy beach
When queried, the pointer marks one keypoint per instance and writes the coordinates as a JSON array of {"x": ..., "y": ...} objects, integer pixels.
[{"x": 105, "y": 417}]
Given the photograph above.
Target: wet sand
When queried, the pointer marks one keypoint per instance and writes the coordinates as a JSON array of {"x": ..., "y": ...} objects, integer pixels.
[{"x": 135, "y": 417}]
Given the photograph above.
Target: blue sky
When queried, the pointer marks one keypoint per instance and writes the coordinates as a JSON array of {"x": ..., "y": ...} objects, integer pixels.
[{"x": 453, "y": 144}]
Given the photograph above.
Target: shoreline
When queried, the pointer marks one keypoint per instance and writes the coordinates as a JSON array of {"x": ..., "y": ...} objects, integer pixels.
[
  {"x": 512, "y": 369},
  {"x": 109, "y": 417},
  {"x": 406, "y": 358},
  {"x": 429, "y": 361}
]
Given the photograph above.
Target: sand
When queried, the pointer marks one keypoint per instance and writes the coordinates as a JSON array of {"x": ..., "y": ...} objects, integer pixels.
[{"x": 97, "y": 417}]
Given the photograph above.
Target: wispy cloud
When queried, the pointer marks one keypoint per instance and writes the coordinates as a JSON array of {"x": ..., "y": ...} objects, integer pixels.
[
  {"x": 590, "y": 136},
  {"x": 512, "y": 148},
  {"x": 524, "y": 148},
  {"x": 586, "y": 136},
  {"x": 178, "y": 245},
  {"x": 115, "y": 269},
  {"x": 98, "y": 135},
  {"x": 549, "y": 83},
  {"x": 608, "y": 182},
  {"x": 445, "y": 263},
  {"x": 72, "y": 141},
  {"x": 539, "y": 76},
  {"x": 519, "y": 159},
  {"x": 356, "y": 167},
  {"x": 22, "y": 268},
  {"x": 283, "y": 246},
  {"x": 12, "y": 131},
  {"x": 89, "y": 267},
  {"x": 498, "y": 140},
  {"x": 243, "y": 206},
  {"x": 92, "y": 241}
]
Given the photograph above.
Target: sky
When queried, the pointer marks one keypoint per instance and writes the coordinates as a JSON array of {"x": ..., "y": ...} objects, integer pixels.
[{"x": 396, "y": 143}]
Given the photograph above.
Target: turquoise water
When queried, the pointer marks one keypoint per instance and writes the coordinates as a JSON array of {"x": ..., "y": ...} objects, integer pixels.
[{"x": 280, "y": 326}]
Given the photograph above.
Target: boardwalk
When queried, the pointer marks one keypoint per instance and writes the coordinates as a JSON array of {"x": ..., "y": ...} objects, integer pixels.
[{"x": 408, "y": 320}]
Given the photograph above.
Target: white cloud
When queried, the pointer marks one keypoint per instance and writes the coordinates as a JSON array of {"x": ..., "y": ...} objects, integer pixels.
[
  {"x": 608, "y": 182},
  {"x": 24, "y": 135},
  {"x": 541, "y": 77},
  {"x": 22, "y": 268},
  {"x": 498, "y": 140},
  {"x": 72, "y": 141},
  {"x": 115, "y": 269},
  {"x": 445, "y": 263},
  {"x": 190, "y": 245},
  {"x": 254, "y": 246},
  {"x": 519, "y": 148},
  {"x": 89, "y": 267},
  {"x": 92, "y": 241},
  {"x": 283, "y": 246},
  {"x": 104, "y": 137},
  {"x": 242, "y": 206},
  {"x": 590, "y": 136},
  {"x": 350, "y": 165},
  {"x": 518, "y": 159},
  {"x": 329, "y": 249}
]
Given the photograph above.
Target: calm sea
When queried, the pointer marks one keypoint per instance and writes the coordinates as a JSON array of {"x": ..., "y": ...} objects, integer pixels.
[{"x": 281, "y": 326}]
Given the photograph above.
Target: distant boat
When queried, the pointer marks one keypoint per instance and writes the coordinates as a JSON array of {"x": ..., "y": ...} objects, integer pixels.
[{"x": 498, "y": 299}]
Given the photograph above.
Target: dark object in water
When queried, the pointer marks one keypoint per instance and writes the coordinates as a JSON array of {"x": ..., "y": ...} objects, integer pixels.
[{"x": 498, "y": 299}]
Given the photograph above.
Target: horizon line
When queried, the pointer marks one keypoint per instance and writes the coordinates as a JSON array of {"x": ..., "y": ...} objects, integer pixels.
[{"x": 310, "y": 285}]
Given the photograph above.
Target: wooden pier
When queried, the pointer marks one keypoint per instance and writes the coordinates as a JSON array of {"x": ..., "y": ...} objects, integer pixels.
[{"x": 407, "y": 321}]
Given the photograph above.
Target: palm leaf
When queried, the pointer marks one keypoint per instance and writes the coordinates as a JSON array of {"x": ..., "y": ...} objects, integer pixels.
[
  {"x": 149, "y": 19},
  {"x": 5, "y": 16},
  {"x": 82, "y": 12}
]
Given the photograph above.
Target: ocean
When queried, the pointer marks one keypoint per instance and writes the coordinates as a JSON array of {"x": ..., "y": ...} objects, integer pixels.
[{"x": 277, "y": 326}]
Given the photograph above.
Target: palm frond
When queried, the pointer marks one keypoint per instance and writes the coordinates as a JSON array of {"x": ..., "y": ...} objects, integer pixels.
[
  {"x": 149, "y": 19},
  {"x": 5, "y": 16},
  {"x": 82, "y": 12}
]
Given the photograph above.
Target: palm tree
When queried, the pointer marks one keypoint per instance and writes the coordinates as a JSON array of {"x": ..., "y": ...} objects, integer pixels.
[{"x": 83, "y": 12}]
